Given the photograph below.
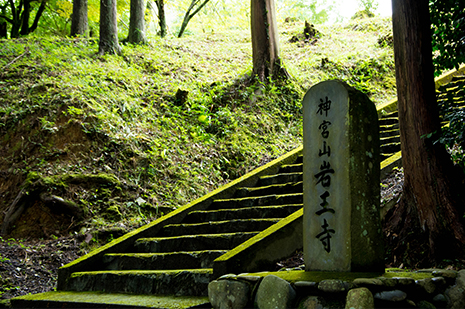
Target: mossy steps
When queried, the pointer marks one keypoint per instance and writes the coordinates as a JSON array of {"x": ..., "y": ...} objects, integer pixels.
[
  {"x": 70, "y": 299},
  {"x": 146, "y": 261}
]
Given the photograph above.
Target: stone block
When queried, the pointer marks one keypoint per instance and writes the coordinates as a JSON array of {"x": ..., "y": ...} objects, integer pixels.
[
  {"x": 274, "y": 292},
  {"x": 228, "y": 294},
  {"x": 360, "y": 298}
]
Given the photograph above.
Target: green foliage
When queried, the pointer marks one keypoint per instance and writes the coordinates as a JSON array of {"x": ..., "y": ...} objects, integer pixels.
[
  {"x": 368, "y": 7},
  {"x": 65, "y": 111},
  {"x": 314, "y": 11},
  {"x": 448, "y": 27}
]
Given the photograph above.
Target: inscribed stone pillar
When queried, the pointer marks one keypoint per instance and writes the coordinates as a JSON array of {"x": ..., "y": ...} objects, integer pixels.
[{"x": 342, "y": 228}]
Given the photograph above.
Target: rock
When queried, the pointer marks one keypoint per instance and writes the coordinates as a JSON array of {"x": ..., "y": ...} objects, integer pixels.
[
  {"x": 360, "y": 298},
  {"x": 227, "y": 276},
  {"x": 460, "y": 280},
  {"x": 365, "y": 282},
  {"x": 404, "y": 281},
  {"x": 224, "y": 294},
  {"x": 306, "y": 284},
  {"x": 426, "y": 305},
  {"x": 332, "y": 286},
  {"x": 426, "y": 285},
  {"x": 311, "y": 302},
  {"x": 274, "y": 292},
  {"x": 440, "y": 301},
  {"x": 394, "y": 296},
  {"x": 388, "y": 282},
  {"x": 249, "y": 278},
  {"x": 445, "y": 273},
  {"x": 456, "y": 296}
]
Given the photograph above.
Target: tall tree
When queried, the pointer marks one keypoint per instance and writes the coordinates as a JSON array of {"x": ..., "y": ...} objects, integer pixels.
[
  {"x": 192, "y": 10},
  {"x": 137, "y": 22},
  {"x": 428, "y": 207},
  {"x": 161, "y": 17},
  {"x": 108, "y": 28},
  {"x": 79, "y": 21},
  {"x": 265, "y": 45}
]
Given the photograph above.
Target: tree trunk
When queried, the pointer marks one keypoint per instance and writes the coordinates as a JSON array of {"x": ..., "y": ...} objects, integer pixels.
[
  {"x": 25, "y": 17},
  {"x": 137, "y": 22},
  {"x": 265, "y": 45},
  {"x": 3, "y": 30},
  {"x": 35, "y": 23},
  {"x": 427, "y": 219},
  {"x": 161, "y": 17},
  {"x": 79, "y": 21},
  {"x": 188, "y": 16},
  {"x": 108, "y": 28}
]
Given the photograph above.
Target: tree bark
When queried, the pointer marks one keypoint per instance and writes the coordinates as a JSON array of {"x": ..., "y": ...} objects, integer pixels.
[
  {"x": 265, "y": 44},
  {"x": 108, "y": 28},
  {"x": 428, "y": 207},
  {"x": 25, "y": 17},
  {"x": 79, "y": 20},
  {"x": 161, "y": 17},
  {"x": 3, "y": 30},
  {"x": 137, "y": 22}
]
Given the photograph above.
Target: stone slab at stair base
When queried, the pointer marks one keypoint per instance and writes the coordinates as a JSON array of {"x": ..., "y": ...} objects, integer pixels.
[{"x": 99, "y": 300}]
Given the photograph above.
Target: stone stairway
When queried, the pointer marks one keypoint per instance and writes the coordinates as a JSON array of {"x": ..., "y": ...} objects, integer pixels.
[
  {"x": 169, "y": 262},
  {"x": 178, "y": 259}
]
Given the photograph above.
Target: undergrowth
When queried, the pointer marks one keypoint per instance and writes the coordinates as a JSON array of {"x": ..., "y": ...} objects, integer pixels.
[{"x": 171, "y": 120}]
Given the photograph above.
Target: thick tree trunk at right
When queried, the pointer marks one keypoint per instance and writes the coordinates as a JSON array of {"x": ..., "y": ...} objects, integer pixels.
[
  {"x": 428, "y": 219},
  {"x": 137, "y": 22},
  {"x": 265, "y": 44},
  {"x": 108, "y": 28},
  {"x": 79, "y": 21}
]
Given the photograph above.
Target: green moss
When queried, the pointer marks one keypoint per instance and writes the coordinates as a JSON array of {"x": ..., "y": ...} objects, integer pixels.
[
  {"x": 165, "y": 301},
  {"x": 317, "y": 276}
]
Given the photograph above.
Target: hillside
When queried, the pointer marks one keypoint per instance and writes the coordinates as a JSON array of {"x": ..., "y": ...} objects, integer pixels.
[{"x": 94, "y": 146}]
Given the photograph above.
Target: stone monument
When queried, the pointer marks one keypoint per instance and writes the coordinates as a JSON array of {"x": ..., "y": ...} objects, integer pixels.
[{"x": 341, "y": 224}]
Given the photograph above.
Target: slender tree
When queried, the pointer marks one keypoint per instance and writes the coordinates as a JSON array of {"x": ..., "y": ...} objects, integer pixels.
[
  {"x": 108, "y": 28},
  {"x": 137, "y": 22},
  {"x": 428, "y": 218},
  {"x": 79, "y": 21},
  {"x": 161, "y": 17},
  {"x": 265, "y": 45},
  {"x": 194, "y": 8}
]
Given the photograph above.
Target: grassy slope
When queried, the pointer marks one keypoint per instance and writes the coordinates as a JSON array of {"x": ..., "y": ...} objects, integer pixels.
[{"x": 65, "y": 114}]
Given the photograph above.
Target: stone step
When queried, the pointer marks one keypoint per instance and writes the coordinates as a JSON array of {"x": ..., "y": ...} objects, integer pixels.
[
  {"x": 300, "y": 159},
  {"x": 66, "y": 299},
  {"x": 394, "y": 114},
  {"x": 159, "y": 261},
  {"x": 193, "y": 282},
  {"x": 388, "y": 127},
  {"x": 389, "y": 140},
  {"x": 388, "y": 121},
  {"x": 290, "y": 168},
  {"x": 286, "y": 188},
  {"x": 389, "y": 133},
  {"x": 279, "y": 211},
  {"x": 268, "y": 200},
  {"x": 225, "y": 241},
  {"x": 390, "y": 148},
  {"x": 285, "y": 177},
  {"x": 217, "y": 227}
]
